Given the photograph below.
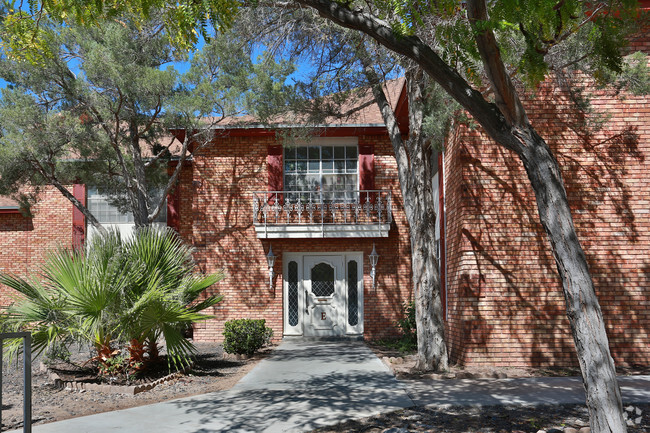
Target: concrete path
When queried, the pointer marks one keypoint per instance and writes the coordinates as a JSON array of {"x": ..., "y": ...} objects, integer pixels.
[
  {"x": 303, "y": 385},
  {"x": 524, "y": 391}
]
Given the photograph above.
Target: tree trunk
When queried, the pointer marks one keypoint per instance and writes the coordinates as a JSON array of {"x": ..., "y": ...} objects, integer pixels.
[
  {"x": 419, "y": 204},
  {"x": 432, "y": 349},
  {"x": 583, "y": 309},
  {"x": 415, "y": 178},
  {"x": 139, "y": 192}
]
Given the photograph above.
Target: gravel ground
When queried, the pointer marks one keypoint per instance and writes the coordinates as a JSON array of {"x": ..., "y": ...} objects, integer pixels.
[{"x": 211, "y": 373}]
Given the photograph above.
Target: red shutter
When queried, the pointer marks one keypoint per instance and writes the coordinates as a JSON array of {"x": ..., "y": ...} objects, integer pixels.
[
  {"x": 274, "y": 167},
  {"x": 78, "y": 219},
  {"x": 173, "y": 200},
  {"x": 173, "y": 216},
  {"x": 366, "y": 170}
]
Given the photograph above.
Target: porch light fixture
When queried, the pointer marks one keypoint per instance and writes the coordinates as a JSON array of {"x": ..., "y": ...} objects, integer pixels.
[
  {"x": 270, "y": 260},
  {"x": 373, "y": 263}
]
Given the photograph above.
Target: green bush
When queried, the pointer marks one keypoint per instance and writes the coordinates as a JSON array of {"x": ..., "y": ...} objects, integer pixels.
[
  {"x": 246, "y": 336},
  {"x": 408, "y": 341},
  {"x": 128, "y": 293}
]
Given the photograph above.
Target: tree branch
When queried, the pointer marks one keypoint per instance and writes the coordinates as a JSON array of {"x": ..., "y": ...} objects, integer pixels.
[
  {"x": 505, "y": 94},
  {"x": 414, "y": 48}
]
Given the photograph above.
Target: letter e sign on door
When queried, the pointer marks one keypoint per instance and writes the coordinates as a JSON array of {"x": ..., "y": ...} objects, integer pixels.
[{"x": 323, "y": 316}]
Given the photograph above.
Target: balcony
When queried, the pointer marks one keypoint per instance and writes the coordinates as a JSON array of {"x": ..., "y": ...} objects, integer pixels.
[{"x": 322, "y": 214}]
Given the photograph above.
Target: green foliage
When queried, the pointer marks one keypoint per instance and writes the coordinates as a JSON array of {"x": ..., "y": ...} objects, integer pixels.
[
  {"x": 184, "y": 22},
  {"x": 407, "y": 342},
  {"x": 635, "y": 76},
  {"x": 116, "y": 292},
  {"x": 95, "y": 109},
  {"x": 246, "y": 336},
  {"x": 408, "y": 327},
  {"x": 439, "y": 112},
  {"x": 532, "y": 34}
]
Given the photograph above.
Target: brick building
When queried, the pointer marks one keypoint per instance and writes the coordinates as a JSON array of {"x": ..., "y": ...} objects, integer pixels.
[{"x": 237, "y": 200}]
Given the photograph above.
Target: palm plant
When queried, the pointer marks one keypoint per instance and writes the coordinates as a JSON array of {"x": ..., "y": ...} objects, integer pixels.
[{"x": 129, "y": 292}]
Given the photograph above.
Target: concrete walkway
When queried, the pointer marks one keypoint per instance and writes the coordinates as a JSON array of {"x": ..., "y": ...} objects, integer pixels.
[
  {"x": 523, "y": 391},
  {"x": 305, "y": 385}
]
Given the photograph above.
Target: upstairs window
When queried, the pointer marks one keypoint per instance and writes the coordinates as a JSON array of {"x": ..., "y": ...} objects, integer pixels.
[
  {"x": 332, "y": 170},
  {"x": 107, "y": 214}
]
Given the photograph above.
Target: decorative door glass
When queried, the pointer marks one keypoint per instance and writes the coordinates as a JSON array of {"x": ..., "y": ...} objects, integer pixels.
[
  {"x": 353, "y": 294},
  {"x": 322, "y": 280},
  {"x": 292, "y": 281}
]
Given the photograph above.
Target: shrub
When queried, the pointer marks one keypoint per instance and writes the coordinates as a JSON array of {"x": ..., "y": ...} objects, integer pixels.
[
  {"x": 117, "y": 292},
  {"x": 246, "y": 336},
  {"x": 408, "y": 341}
]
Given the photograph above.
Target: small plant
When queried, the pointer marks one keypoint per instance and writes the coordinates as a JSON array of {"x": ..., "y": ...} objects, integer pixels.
[
  {"x": 408, "y": 341},
  {"x": 113, "y": 367},
  {"x": 246, "y": 336}
]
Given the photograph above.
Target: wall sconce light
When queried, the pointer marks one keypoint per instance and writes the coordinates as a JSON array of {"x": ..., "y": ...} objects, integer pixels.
[
  {"x": 373, "y": 263},
  {"x": 270, "y": 260}
]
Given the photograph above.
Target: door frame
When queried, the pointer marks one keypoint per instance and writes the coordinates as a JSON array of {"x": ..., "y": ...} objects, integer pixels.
[{"x": 298, "y": 257}]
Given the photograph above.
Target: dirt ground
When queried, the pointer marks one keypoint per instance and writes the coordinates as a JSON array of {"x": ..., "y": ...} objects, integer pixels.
[
  {"x": 214, "y": 373},
  {"x": 211, "y": 373}
]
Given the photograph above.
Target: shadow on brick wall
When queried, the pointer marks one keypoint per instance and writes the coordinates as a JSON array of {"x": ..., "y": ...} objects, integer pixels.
[{"x": 508, "y": 295}]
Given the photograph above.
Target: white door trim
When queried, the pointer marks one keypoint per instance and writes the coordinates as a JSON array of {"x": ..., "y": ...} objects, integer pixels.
[{"x": 295, "y": 281}]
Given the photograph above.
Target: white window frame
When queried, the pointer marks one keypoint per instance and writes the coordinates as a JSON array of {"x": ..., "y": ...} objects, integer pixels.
[{"x": 347, "y": 174}]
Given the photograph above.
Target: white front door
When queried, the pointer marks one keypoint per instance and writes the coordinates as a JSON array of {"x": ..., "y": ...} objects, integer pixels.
[{"x": 323, "y": 294}]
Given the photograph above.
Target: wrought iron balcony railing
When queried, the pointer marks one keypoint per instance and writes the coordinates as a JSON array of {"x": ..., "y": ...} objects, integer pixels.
[{"x": 332, "y": 211}]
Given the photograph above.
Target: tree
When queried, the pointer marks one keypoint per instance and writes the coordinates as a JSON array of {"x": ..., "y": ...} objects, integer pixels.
[
  {"x": 97, "y": 107},
  {"x": 131, "y": 292},
  {"x": 477, "y": 35},
  {"x": 183, "y": 21}
]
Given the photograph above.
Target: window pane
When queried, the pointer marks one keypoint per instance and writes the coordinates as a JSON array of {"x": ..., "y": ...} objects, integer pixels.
[
  {"x": 301, "y": 166},
  {"x": 314, "y": 152},
  {"x": 351, "y": 152},
  {"x": 289, "y": 166},
  {"x": 328, "y": 182},
  {"x": 327, "y": 166},
  {"x": 353, "y": 294},
  {"x": 314, "y": 166},
  {"x": 339, "y": 166},
  {"x": 327, "y": 152},
  {"x": 290, "y": 183},
  {"x": 292, "y": 280},
  {"x": 339, "y": 152},
  {"x": 322, "y": 280},
  {"x": 301, "y": 182},
  {"x": 289, "y": 153},
  {"x": 312, "y": 183},
  {"x": 351, "y": 165},
  {"x": 301, "y": 152}
]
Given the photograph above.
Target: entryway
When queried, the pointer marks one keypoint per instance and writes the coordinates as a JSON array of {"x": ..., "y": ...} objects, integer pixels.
[{"x": 323, "y": 294}]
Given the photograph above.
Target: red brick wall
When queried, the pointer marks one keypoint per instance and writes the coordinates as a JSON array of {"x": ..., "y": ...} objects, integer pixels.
[
  {"x": 24, "y": 242},
  {"x": 224, "y": 176},
  {"x": 506, "y": 305}
]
